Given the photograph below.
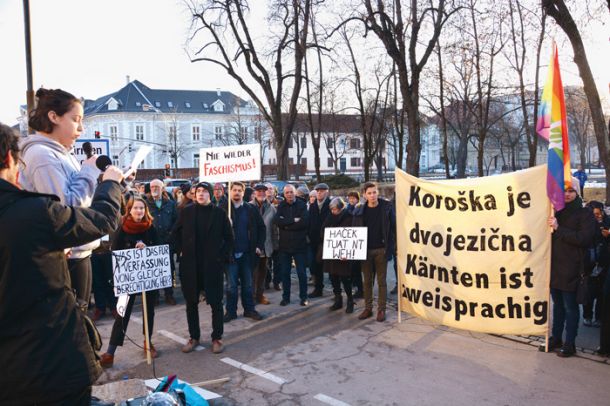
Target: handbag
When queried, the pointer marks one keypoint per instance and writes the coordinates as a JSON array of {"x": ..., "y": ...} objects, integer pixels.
[{"x": 583, "y": 290}]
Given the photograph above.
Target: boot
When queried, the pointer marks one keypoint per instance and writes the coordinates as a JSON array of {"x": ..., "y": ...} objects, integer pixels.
[
  {"x": 349, "y": 308},
  {"x": 338, "y": 302}
]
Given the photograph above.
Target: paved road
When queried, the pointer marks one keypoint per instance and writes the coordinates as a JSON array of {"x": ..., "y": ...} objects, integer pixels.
[{"x": 311, "y": 356}]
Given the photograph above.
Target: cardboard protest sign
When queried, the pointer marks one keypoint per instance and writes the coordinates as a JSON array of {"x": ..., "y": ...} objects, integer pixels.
[
  {"x": 98, "y": 147},
  {"x": 140, "y": 270},
  {"x": 232, "y": 163},
  {"x": 475, "y": 253},
  {"x": 345, "y": 243}
]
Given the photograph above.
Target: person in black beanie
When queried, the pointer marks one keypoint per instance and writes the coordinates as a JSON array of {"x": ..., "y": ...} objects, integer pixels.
[
  {"x": 202, "y": 261},
  {"x": 573, "y": 230}
]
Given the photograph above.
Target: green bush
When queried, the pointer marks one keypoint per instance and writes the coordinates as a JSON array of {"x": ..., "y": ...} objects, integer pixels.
[{"x": 338, "y": 182}]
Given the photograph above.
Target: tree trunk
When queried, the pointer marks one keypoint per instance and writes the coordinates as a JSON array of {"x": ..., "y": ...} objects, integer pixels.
[
  {"x": 462, "y": 156},
  {"x": 411, "y": 106}
]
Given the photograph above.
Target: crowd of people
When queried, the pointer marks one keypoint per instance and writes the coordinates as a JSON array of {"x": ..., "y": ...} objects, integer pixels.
[{"x": 229, "y": 244}]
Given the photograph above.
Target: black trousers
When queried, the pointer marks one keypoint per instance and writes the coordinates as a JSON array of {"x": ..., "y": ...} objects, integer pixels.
[
  {"x": 315, "y": 268},
  {"x": 101, "y": 265},
  {"x": 81, "y": 279},
  {"x": 357, "y": 275},
  {"x": 347, "y": 284},
  {"x": 593, "y": 309},
  {"x": 604, "y": 333},
  {"x": 117, "y": 336},
  {"x": 192, "y": 318}
]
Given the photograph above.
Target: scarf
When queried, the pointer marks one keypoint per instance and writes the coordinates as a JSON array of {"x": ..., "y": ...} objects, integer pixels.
[{"x": 132, "y": 227}]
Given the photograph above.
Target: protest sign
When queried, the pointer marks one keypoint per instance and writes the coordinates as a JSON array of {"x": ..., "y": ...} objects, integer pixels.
[
  {"x": 98, "y": 147},
  {"x": 232, "y": 163},
  {"x": 138, "y": 158},
  {"x": 475, "y": 253},
  {"x": 139, "y": 270},
  {"x": 345, "y": 243}
]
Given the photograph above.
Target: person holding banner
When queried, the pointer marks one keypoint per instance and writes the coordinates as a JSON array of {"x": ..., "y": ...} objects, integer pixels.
[
  {"x": 51, "y": 168},
  {"x": 203, "y": 239},
  {"x": 378, "y": 216},
  {"x": 339, "y": 270},
  {"x": 136, "y": 231},
  {"x": 573, "y": 231},
  {"x": 45, "y": 350}
]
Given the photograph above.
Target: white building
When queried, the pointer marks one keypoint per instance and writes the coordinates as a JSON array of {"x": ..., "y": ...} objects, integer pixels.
[{"x": 177, "y": 123}]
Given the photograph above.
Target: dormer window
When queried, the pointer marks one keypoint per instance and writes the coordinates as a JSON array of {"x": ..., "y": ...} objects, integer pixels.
[
  {"x": 157, "y": 104},
  {"x": 187, "y": 105},
  {"x": 219, "y": 106},
  {"x": 112, "y": 104},
  {"x": 170, "y": 104},
  {"x": 138, "y": 104},
  {"x": 205, "y": 105}
]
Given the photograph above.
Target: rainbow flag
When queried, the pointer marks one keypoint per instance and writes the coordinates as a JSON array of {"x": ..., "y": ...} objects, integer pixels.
[{"x": 552, "y": 126}]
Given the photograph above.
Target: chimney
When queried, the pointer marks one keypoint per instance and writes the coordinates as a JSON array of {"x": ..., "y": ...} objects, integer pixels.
[
  {"x": 127, "y": 77},
  {"x": 218, "y": 91}
]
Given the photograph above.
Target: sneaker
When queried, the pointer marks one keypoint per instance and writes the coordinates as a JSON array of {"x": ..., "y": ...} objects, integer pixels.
[
  {"x": 366, "y": 313},
  {"x": 217, "y": 346},
  {"x": 98, "y": 314},
  {"x": 567, "y": 350},
  {"x": 587, "y": 322},
  {"x": 106, "y": 360},
  {"x": 304, "y": 302},
  {"x": 284, "y": 302},
  {"x": 276, "y": 286},
  {"x": 169, "y": 299},
  {"x": 602, "y": 351},
  {"x": 597, "y": 324},
  {"x": 554, "y": 344},
  {"x": 228, "y": 317},
  {"x": 254, "y": 315},
  {"x": 190, "y": 346}
]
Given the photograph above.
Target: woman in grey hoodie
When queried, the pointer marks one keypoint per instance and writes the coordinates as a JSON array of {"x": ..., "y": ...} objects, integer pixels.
[{"x": 51, "y": 167}]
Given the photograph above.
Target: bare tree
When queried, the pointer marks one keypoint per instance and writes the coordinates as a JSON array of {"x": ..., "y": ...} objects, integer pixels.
[
  {"x": 228, "y": 42},
  {"x": 579, "y": 121},
  {"x": 385, "y": 19},
  {"x": 558, "y": 10}
]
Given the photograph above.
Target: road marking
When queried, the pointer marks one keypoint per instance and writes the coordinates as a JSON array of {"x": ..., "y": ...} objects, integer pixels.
[
  {"x": 178, "y": 339},
  {"x": 255, "y": 371},
  {"x": 330, "y": 401}
]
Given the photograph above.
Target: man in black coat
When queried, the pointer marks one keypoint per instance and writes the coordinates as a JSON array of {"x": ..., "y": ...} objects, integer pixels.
[
  {"x": 574, "y": 229},
  {"x": 163, "y": 210},
  {"x": 203, "y": 239},
  {"x": 378, "y": 216},
  {"x": 249, "y": 231},
  {"x": 318, "y": 212},
  {"x": 45, "y": 352},
  {"x": 292, "y": 220}
]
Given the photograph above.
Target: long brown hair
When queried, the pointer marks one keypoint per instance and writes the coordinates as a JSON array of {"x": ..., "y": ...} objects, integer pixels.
[
  {"x": 147, "y": 216},
  {"x": 56, "y": 100}
]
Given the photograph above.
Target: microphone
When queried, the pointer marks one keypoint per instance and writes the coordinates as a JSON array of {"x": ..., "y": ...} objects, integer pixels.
[
  {"x": 88, "y": 149},
  {"x": 102, "y": 162}
]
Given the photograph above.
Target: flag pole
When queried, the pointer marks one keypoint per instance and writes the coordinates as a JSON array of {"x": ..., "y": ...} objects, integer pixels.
[
  {"x": 399, "y": 287},
  {"x": 548, "y": 295},
  {"x": 146, "y": 339}
]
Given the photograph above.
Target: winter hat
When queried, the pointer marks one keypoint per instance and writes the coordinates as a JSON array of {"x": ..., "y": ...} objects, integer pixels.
[{"x": 576, "y": 186}]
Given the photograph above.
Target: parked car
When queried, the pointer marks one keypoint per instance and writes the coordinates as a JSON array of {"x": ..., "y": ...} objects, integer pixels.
[{"x": 171, "y": 184}]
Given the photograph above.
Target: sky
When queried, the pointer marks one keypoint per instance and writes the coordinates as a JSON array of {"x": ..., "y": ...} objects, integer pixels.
[{"x": 89, "y": 47}]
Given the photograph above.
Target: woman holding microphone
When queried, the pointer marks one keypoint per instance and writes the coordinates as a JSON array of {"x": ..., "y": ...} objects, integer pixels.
[{"x": 51, "y": 168}]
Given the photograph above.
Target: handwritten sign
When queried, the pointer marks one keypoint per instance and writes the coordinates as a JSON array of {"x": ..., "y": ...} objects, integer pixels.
[
  {"x": 228, "y": 164},
  {"x": 141, "y": 270},
  {"x": 345, "y": 243}
]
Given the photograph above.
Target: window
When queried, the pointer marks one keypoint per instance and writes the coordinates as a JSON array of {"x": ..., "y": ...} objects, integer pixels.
[
  {"x": 303, "y": 142},
  {"x": 354, "y": 143},
  {"x": 290, "y": 161},
  {"x": 170, "y": 104},
  {"x": 195, "y": 160},
  {"x": 218, "y": 132},
  {"x": 187, "y": 105},
  {"x": 112, "y": 104},
  {"x": 244, "y": 133},
  {"x": 139, "y": 133},
  {"x": 115, "y": 160},
  {"x": 157, "y": 104},
  {"x": 258, "y": 132},
  {"x": 304, "y": 162},
  {"x": 355, "y": 162},
  {"x": 173, "y": 131},
  {"x": 330, "y": 142},
  {"x": 138, "y": 104},
  {"x": 290, "y": 142},
  {"x": 330, "y": 163},
  {"x": 196, "y": 132},
  {"x": 205, "y": 105},
  {"x": 218, "y": 106},
  {"x": 114, "y": 133}
]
